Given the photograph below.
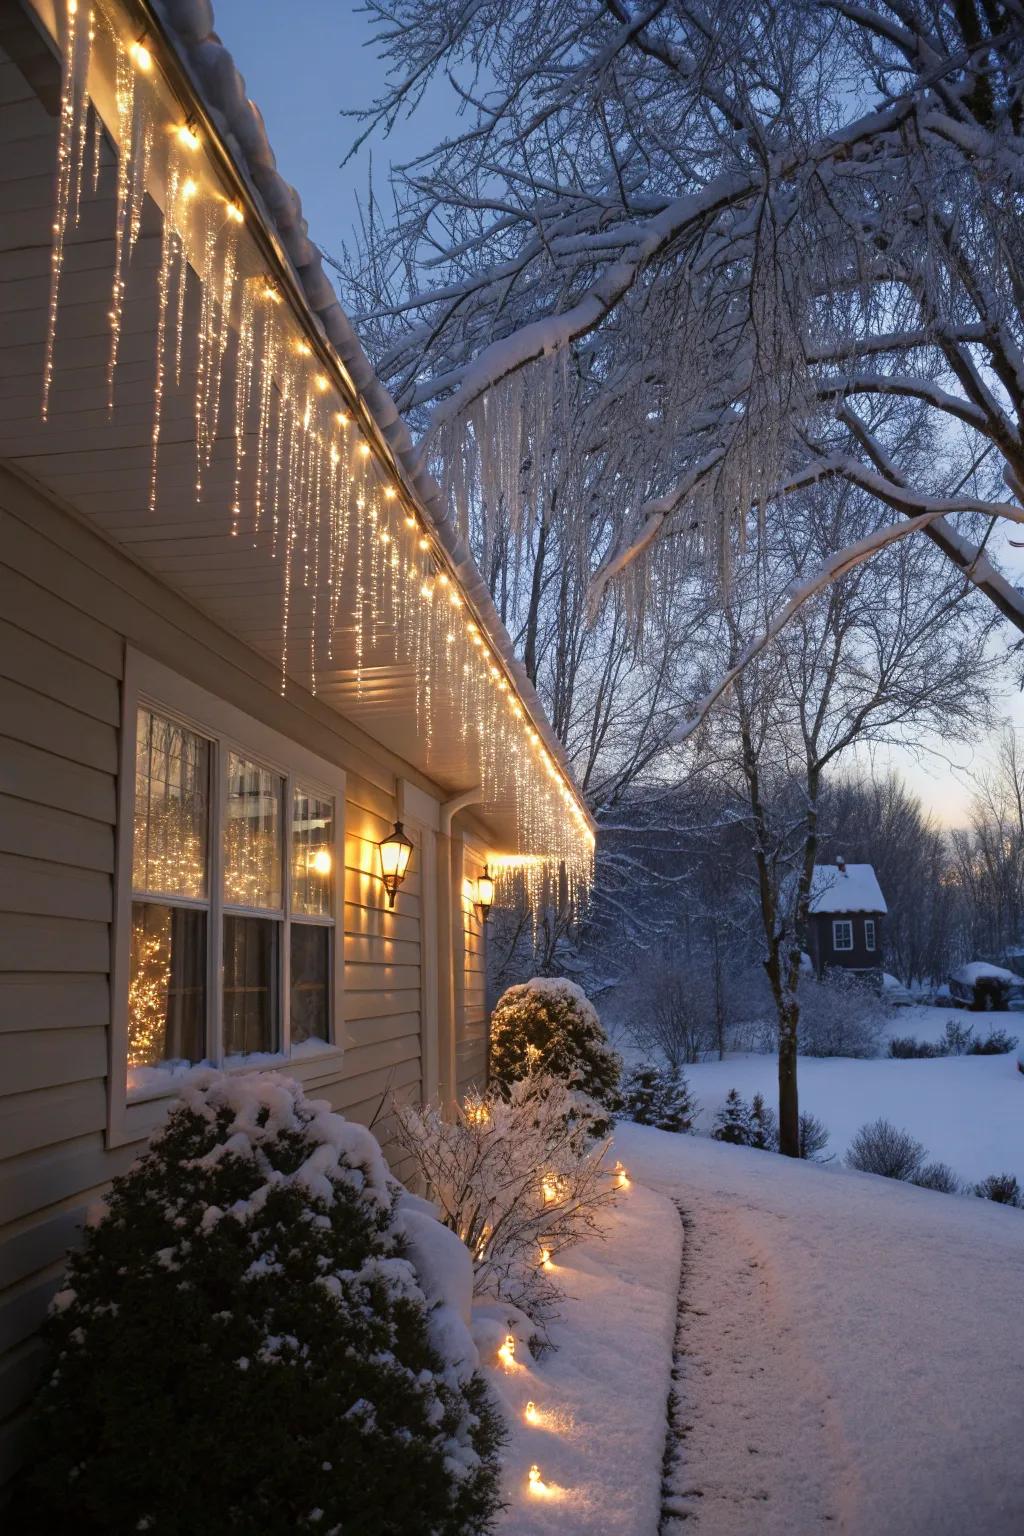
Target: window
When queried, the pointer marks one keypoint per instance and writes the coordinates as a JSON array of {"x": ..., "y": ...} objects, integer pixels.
[
  {"x": 842, "y": 934},
  {"x": 869, "y": 933},
  {"x": 227, "y": 939}
]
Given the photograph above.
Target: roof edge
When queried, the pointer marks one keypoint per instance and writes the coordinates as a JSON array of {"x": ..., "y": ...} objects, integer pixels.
[{"x": 188, "y": 27}]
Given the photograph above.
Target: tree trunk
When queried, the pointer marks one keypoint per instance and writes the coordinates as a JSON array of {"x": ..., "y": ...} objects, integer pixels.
[{"x": 789, "y": 1104}]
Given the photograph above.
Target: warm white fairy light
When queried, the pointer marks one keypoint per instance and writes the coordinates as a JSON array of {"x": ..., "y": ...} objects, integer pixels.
[{"x": 330, "y": 514}]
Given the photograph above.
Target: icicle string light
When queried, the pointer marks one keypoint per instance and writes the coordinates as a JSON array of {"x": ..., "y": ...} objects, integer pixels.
[{"x": 359, "y": 572}]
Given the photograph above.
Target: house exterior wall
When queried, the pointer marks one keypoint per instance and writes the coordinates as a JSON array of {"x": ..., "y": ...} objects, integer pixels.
[
  {"x": 70, "y": 607},
  {"x": 823, "y": 952}
]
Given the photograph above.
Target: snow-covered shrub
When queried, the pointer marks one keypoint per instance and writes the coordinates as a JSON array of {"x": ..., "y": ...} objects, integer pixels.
[
  {"x": 880, "y": 1148},
  {"x": 841, "y": 1016},
  {"x": 548, "y": 1025},
  {"x": 1003, "y": 1188},
  {"x": 658, "y": 1096},
  {"x": 938, "y": 1176},
  {"x": 907, "y": 1048},
  {"x": 732, "y": 1122},
  {"x": 764, "y": 1125},
  {"x": 996, "y": 1043},
  {"x": 243, "y": 1344},
  {"x": 517, "y": 1175}
]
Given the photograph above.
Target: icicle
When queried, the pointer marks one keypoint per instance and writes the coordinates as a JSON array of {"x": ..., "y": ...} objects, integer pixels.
[{"x": 74, "y": 108}]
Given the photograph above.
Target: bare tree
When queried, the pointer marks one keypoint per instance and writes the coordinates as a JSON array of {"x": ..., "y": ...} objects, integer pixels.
[
  {"x": 712, "y": 254},
  {"x": 893, "y": 652}
]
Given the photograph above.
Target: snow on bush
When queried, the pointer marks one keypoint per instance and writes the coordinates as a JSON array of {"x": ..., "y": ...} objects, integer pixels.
[
  {"x": 549, "y": 1025},
  {"x": 517, "y": 1176},
  {"x": 658, "y": 1096},
  {"x": 243, "y": 1342}
]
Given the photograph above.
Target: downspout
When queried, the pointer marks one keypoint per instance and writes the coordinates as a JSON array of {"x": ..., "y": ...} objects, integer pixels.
[{"x": 449, "y": 928}]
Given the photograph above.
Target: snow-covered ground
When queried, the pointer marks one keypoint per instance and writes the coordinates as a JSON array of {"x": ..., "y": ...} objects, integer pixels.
[
  {"x": 967, "y": 1110},
  {"x": 853, "y": 1351},
  {"x": 929, "y": 1023},
  {"x": 600, "y": 1397}
]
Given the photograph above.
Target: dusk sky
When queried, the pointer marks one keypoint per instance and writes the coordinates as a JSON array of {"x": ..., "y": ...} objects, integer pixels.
[{"x": 303, "y": 65}]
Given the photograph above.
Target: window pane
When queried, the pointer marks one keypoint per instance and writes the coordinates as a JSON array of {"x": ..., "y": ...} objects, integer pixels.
[
  {"x": 172, "y": 778},
  {"x": 167, "y": 990},
  {"x": 311, "y": 988},
  {"x": 252, "y": 836},
  {"x": 251, "y": 1016},
  {"x": 312, "y": 854}
]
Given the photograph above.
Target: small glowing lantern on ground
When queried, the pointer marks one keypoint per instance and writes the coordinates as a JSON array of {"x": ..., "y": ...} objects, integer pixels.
[
  {"x": 537, "y": 1484},
  {"x": 621, "y": 1176},
  {"x": 485, "y": 893},
  {"x": 530, "y": 1414},
  {"x": 395, "y": 852},
  {"x": 545, "y": 1257},
  {"x": 507, "y": 1352}
]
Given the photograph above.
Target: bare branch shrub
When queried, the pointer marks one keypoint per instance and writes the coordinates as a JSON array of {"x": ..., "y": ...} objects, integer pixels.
[
  {"x": 517, "y": 1176},
  {"x": 880, "y": 1148},
  {"x": 842, "y": 1016}
]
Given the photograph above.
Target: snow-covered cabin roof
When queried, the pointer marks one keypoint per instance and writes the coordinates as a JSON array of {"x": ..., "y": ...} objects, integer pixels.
[
  {"x": 981, "y": 970},
  {"x": 846, "y": 888}
]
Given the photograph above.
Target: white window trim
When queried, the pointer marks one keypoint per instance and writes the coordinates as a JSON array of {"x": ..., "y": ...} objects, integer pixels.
[
  {"x": 837, "y": 924},
  {"x": 149, "y": 683},
  {"x": 870, "y": 935}
]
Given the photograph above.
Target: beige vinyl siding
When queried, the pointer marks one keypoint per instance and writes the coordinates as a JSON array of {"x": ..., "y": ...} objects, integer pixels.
[{"x": 69, "y": 604}]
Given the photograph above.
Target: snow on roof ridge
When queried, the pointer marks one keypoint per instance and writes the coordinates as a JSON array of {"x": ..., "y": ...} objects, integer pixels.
[
  {"x": 854, "y": 888},
  {"x": 189, "y": 26}
]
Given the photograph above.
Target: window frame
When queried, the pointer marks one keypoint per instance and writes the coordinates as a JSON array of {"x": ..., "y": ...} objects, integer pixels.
[
  {"x": 837, "y": 923},
  {"x": 149, "y": 684},
  {"x": 870, "y": 935}
]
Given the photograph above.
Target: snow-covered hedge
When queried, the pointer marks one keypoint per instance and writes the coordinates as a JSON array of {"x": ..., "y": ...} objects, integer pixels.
[
  {"x": 549, "y": 1025},
  {"x": 244, "y": 1342}
]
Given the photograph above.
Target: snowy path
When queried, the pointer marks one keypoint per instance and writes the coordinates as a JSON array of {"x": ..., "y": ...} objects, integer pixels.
[
  {"x": 854, "y": 1349},
  {"x": 748, "y": 1393}
]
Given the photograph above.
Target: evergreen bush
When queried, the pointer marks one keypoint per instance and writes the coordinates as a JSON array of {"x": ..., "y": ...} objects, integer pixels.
[
  {"x": 242, "y": 1345},
  {"x": 813, "y": 1138},
  {"x": 658, "y": 1096},
  {"x": 732, "y": 1122},
  {"x": 764, "y": 1125},
  {"x": 549, "y": 1025}
]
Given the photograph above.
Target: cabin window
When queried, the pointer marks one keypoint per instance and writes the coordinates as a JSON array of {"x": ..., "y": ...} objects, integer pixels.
[
  {"x": 842, "y": 934},
  {"x": 869, "y": 933},
  {"x": 233, "y": 947}
]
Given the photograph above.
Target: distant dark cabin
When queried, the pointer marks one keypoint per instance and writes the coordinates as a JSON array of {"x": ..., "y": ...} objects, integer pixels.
[{"x": 845, "y": 919}]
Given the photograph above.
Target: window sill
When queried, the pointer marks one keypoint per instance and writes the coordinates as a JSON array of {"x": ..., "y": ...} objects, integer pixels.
[{"x": 145, "y": 1107}]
